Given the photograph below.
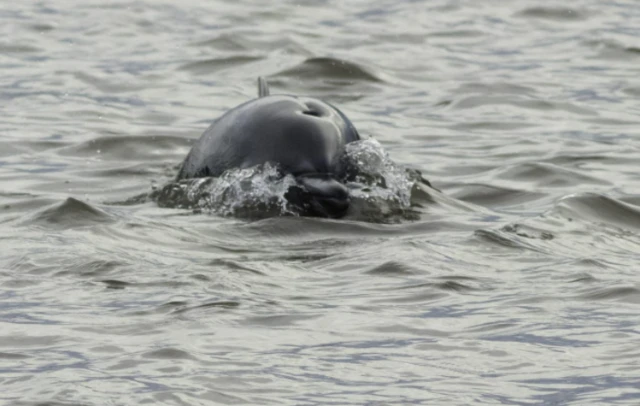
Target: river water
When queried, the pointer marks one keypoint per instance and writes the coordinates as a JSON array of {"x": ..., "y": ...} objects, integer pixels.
[{"x": 523, "y": 288}]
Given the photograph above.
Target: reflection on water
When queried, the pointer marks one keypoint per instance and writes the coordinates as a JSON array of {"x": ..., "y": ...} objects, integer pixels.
[{"x": 517, "y": 284}]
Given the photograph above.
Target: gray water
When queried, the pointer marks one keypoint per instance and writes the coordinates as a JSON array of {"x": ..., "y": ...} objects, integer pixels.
[{"x": 519, "y": 285}]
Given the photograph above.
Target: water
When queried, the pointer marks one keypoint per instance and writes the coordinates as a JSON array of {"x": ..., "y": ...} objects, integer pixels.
[{"x": 518, "y": 284}]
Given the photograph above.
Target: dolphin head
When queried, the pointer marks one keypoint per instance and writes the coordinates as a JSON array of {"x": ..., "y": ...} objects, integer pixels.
[{"x": 309, "y": 143}]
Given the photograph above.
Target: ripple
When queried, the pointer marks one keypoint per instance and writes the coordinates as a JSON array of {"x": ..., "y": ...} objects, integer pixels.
[
  {"x": 391, "y": 268},
  {"x": 493, "y": 196},
  {"x": 215, "y": 65},
  {"x": 525, "y": 231},
  {"x": 278, "y": 321},
  {"x": 15, "y": 205},
  {"x": 548, "y": 175},
  {"x": 22, "y": 341},
  {"x": 47, "y": 403},
  {"x": 127, "y": 170},
  {"x": 92, "y": 268},
  {"x": 236, "y": 266},
  {"x": 168, "y": 353},
  {"x": 540, "y": 339},
  {"x": 18, "y": 49},
  {"x": 503, "y": 239},
  {"x": 411, "y": 331},
  {"x": 471, "y": 102},
  {"x": 115, "y": 284},
  {"x": 428, "y": 294},
  {"x": 613, "y": 50},
  {"x": 336, "y": 70},
  {"x": 457, "y": 34},
  {"x": 71, "y": 213},
  {"x": 495, "y": 88},
  {"x": 554, "y": 13},
  {"x": 628, "y": 294},
  {"x": 227, "y": 305},
  {"x": 108, "y": 85},
  {"x": 480, "y": 126},
  {"x": 599, "y": 208},
  {"x": 41, "y": 27},
  {"x": 455, "y": 286},
  {"x": 226, "y": 42},
  {"x": 128, "y": 147},
  {"x": 12, "y": 356},
  {"x": 583, "y": 278},
  {"x": 632, "y": 91}
]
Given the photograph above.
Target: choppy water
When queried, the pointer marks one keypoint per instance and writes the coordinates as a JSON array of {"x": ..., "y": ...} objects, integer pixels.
[{"x": 519, "y": 285}]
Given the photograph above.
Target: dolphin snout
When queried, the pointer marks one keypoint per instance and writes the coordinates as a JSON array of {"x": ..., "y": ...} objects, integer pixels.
[
  {"x": 323, "y": 185},
  {"x": 322, "y": 195}
]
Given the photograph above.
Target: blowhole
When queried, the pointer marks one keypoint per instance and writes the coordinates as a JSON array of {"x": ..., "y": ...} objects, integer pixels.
[{"x": 311, "y": 113}]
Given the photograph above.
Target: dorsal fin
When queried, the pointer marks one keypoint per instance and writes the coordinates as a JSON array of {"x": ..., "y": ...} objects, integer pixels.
[{"x": 263, "y": 87}]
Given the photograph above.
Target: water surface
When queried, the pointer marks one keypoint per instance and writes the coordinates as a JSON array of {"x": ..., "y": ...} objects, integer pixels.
[{"x": 525, "y": 292}]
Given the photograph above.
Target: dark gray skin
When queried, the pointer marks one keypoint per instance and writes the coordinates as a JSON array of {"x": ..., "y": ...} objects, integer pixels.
[{"x": 305, "y": 137}]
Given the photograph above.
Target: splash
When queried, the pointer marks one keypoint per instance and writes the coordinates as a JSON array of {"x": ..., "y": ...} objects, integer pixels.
[
  {"x": 254, "y": 192},
  {"x": 380, "y": 189},
  {"x": 372, "y": 174}
]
